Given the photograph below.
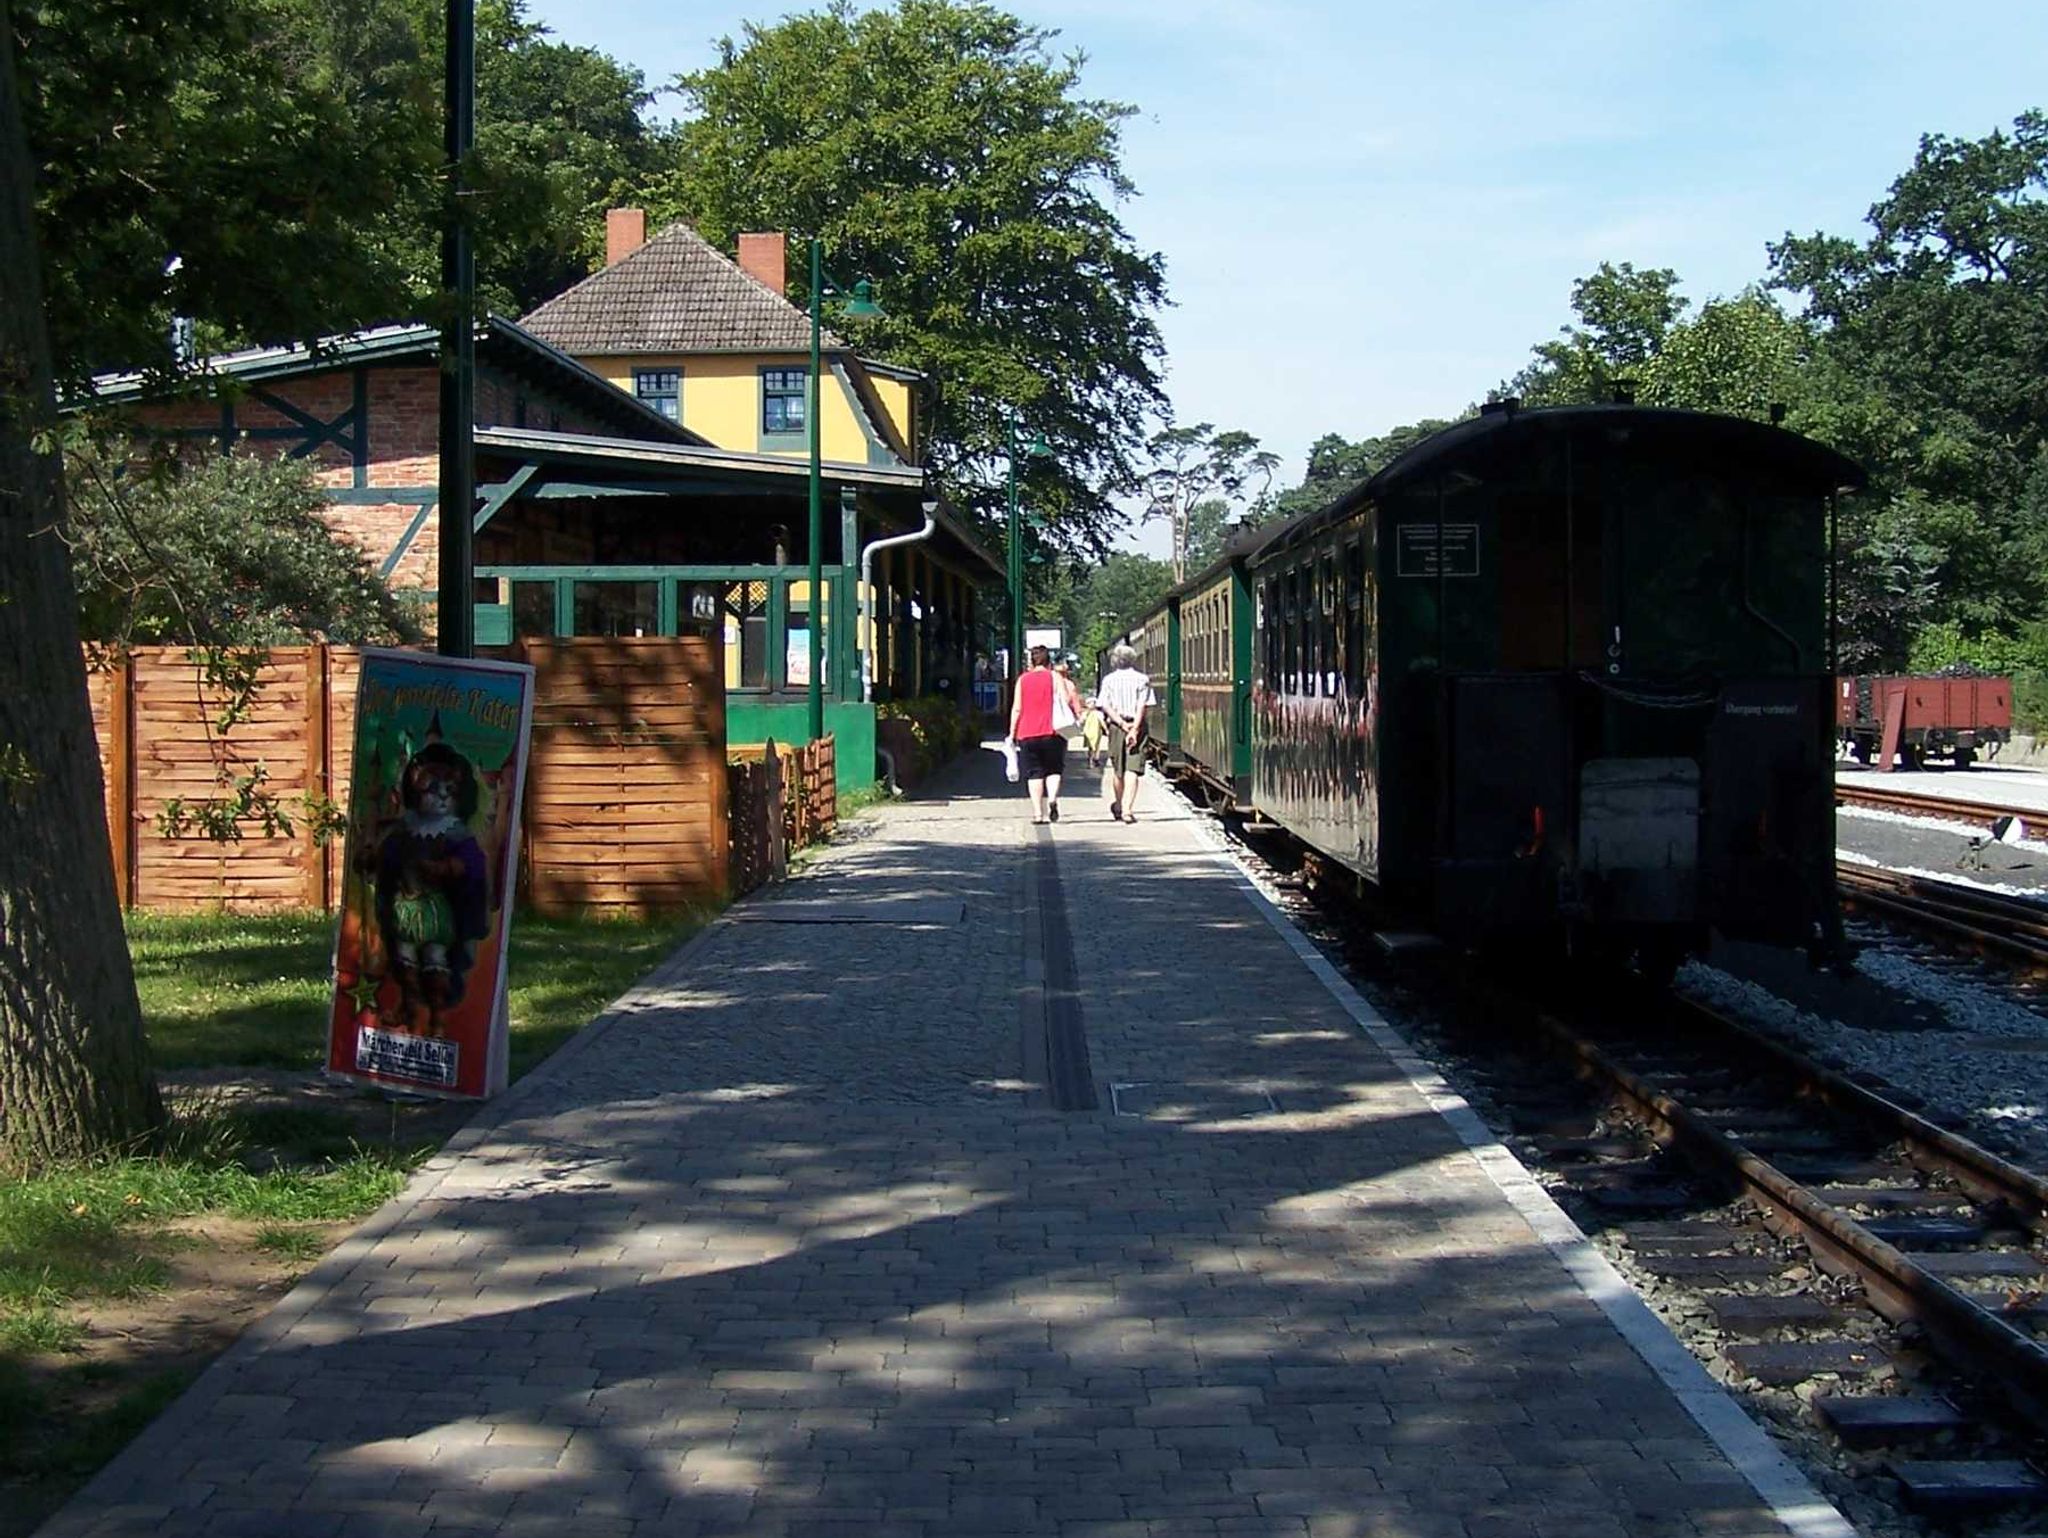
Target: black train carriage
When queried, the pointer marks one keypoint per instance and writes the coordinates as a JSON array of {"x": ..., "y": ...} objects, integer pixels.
[{"x": 1566, "y": 672}]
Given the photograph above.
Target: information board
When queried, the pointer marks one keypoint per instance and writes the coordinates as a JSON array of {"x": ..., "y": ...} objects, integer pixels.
[{"x": 1415, "y": 550}]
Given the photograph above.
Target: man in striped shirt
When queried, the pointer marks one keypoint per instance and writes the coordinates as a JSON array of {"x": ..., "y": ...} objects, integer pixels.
[{"x": 1124, "y": 696}]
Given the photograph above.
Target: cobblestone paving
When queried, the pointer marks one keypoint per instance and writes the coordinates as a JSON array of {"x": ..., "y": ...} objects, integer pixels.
[{"x": 785, "y": 1250}]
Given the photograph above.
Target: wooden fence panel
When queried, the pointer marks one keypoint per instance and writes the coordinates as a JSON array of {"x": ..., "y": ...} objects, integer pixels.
[
  {"x": 626, "y": 797},
  {"x": 626, "y": 800}
]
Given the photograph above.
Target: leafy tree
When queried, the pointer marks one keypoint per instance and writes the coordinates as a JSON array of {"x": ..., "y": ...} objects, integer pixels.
[
  {"x": 1625, "y": 316},
  {"x": 217, "y": 551},
  {"x": 1936, "y": 329},
  {"x": 561, "y": 135},
  {"x": 1336, "y": 465},
  {"x": 286, "y": 154},
  {"x": 1191, "y": 466},
  {"x": 938, "y": 147},
  {"x": 74, "y": 1071},
  {"x": 1107, "y": 597},
  {"x": 257, "y": 146}
]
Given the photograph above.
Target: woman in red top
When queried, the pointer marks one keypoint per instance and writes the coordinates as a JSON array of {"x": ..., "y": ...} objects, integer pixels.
[{"x": 1041, "y": 749}]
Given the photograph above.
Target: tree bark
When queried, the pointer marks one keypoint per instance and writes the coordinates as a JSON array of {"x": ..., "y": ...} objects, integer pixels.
[{"x": 74, "y": 1069}]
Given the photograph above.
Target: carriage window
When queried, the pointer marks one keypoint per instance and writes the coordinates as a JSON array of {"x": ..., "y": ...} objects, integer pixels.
[
  {"x": 1290, "y": 592},
  {"x": 1354, "y": 618},
  {"x": 1268, "y": 619},
  {"x": 1326, "y": 626}
]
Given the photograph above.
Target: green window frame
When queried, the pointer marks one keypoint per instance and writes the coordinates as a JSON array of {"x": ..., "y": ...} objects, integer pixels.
[
  {"x": 784, "y": 398},
  {"x": 662, "y": 389}
]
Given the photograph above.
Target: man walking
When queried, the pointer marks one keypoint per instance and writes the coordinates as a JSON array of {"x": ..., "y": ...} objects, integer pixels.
[{"x": 1124, "y": 697}]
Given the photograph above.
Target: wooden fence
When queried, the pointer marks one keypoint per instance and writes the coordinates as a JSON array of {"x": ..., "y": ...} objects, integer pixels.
[
  {"x": 760, "y": 842},
  {"x": 810, "y": 786},
  {"x": 626, "y": 789},
  {"x": 626, "y": 786}
]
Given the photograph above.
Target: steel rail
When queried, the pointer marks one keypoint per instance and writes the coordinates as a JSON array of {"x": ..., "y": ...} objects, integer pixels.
[
  {"x": 2011, "y": 926},
  {"x": 1898, "y": 1287},
  {"x": 2032, "y": 820}
]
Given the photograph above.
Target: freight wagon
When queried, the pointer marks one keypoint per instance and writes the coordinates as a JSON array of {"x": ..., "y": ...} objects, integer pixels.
[{"x": 1901, "y": 720}]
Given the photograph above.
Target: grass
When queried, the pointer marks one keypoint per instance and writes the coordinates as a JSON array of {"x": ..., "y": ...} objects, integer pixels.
[
  {"x": 251, "y": 991},
  {"x": 229, "y": 990},
  {"x": 291, "y": 1243}
]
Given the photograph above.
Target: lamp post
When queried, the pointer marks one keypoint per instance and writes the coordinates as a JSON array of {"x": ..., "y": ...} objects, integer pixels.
[
  {"x": 1035, "y": 449},
  {"x": 455, "y": 603},
  {"x": 861, "y": 305}
]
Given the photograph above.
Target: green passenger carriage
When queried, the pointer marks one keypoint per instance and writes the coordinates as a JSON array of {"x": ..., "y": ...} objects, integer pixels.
[{"x": 1562, "y": 674}]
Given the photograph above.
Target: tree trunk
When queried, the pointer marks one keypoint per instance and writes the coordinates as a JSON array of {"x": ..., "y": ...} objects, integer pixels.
[{"x": 74, "y": 1070}]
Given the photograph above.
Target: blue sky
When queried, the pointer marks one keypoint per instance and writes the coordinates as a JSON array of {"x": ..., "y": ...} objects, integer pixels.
[{"x": 1371, "y": 210}]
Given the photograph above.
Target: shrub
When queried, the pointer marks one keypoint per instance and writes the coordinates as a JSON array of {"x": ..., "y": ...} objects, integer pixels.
[{"x": 937, "y": 728}]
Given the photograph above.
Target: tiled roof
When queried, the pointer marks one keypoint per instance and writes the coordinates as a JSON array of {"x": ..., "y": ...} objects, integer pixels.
[{"x": 677, "y": 293}]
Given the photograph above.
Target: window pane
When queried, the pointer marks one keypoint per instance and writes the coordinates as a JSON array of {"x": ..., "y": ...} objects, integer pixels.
[
  {"x": 618, "y": 608},
  {"x": 797, "y": 644},
  {"x": 662, "y": 389},
  {"x": 782, "y": 400},
  {"x": 533, "y": 609},
  {"x": 743, "y": 623}
]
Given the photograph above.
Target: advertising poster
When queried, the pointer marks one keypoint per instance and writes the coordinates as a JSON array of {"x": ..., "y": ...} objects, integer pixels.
[{"x": 433, "y": 836}]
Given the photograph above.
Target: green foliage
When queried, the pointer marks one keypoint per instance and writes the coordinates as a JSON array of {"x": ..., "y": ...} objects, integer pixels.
[
  {"x": 560, "y": 138},
  {"x": 939, "y": 732},
  {"x": 288, "y": 154},
  {"x": 231, "y": 136},
  {"x": 1938, "y": 319},
  {"x": 939, "y": 148},
  {"x": 1195, "y": 467},
  {"x": 1106, "y": 598},
  {"x": 1336, "y": 466},
  {"x": 228, "y": 551},
  {"x": 1625, "y": 316}
]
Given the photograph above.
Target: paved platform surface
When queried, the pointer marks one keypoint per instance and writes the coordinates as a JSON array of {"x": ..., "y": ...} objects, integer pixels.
[{"x": 817, "y": 1235}]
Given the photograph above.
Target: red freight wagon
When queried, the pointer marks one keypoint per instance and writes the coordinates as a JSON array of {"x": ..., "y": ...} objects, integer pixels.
[{"x": 1892, "y": 720}]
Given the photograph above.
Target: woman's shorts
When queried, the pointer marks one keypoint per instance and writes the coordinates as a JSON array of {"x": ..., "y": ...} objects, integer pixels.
[{"x": 1040, "y": 758}]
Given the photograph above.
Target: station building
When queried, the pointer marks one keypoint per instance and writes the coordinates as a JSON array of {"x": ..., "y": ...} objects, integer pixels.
[{"x": 642, "y": 468}]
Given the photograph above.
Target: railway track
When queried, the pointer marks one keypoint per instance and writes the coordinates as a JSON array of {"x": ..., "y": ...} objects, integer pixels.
[
  {"x": 1847, "y": 1250},
  {"x": 2032, "y": 822},
  {"x": 1930, "y": 1243},
  {"x": 2012, "y": 929}
]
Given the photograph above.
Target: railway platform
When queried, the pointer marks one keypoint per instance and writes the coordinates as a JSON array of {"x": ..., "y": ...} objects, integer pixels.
[{"x": 983, "y": 1179}]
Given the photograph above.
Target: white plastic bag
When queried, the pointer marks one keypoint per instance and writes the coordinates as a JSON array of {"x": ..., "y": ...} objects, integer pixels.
[{"x": 1010, "y": 759}]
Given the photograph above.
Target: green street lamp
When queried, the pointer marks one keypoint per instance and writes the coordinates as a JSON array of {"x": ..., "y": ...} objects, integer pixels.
[
  {"x": 1037, "y": 448},
  {"x": 860, "y": 304}
]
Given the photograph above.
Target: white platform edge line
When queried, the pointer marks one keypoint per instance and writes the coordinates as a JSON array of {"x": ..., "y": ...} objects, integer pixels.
[{"x": 1777, "y": 1481}]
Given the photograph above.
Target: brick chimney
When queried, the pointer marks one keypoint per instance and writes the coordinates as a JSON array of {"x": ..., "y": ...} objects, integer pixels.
[
  {"x": 765, "y": 258},
  {"x": 625, "y": 231}
]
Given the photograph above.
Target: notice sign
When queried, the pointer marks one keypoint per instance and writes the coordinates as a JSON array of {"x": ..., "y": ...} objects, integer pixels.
[
  {"x": 1415, "y": 550},
  {"x": 433, "y": 832}
]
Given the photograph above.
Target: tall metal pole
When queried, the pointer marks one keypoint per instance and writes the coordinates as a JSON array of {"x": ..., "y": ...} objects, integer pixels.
[
  {"x": 1016, "y": 565},
  {"x": 456, "y": 600},
  {"x": 817, "y": 537}
]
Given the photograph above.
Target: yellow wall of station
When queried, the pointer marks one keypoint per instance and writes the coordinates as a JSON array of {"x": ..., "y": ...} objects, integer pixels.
[{"x": 722, "y": 399}]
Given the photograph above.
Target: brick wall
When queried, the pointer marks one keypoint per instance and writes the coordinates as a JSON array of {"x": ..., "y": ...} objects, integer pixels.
[{"x": 403, "y": 443}]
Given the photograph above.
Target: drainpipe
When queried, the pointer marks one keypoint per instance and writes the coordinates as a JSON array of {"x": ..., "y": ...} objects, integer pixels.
[{"x": 867, "y": 584}]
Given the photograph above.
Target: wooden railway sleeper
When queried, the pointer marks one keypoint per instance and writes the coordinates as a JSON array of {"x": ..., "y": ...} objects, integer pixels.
[{"x": 1896, "y": 1285}]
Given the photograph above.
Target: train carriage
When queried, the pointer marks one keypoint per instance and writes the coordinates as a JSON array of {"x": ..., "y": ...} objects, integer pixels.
[
  {"x": 1158, "y": 646},
  {"x": 1559, "y": 673},
  {"x": 1214, "y": 679}
]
